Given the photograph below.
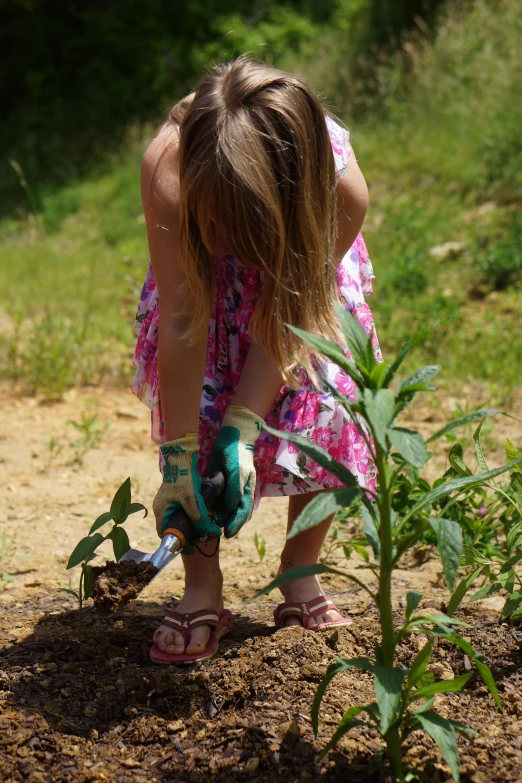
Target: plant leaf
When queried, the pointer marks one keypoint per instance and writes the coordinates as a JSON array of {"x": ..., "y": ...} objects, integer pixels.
[
  {"x": 512, "y": 603},
  {"x": 379, "y": 407},
  {"x": 371, "y": 533},
  {"x": 413, "y": 598},
  {"x": 449, "y": 547},
  {"x": 512, "y": 453},
  {"x": 514, "y": 536},
  {"x": 418, "y": 379},
  {"x": 298, "y": 572},
  {"x": 388, "y": 686},
  {"x": 341, "y": 665},
  {"x": 321, "y": 507},
  {"x": 70, "y": 591},
  {"x": 446, "y": 686},
  {"x": 443, "y": 733},
  {"x": 462, "y": 420},
  {"x": 516, "y": 485},
  {"x": 378, "y": 374},
  {"x": 346, "y": 723},
  {"x": 410, "y": 444},
  {"x": 458, "y": 465},
  {"x": 483, "y": 465},
  {"x": 356, "y": 338},
  {"x": 451, "y": 486},
  {"x": 88, "y": 580},
  {"x": 331, "y": 350},
  {"x": 120, "y": 542},
  {"x": 102, "y": 519},
  {"x": 462, "y": 588},
  {"x": 478, "y": 660},
  {"x": 135, "y": 507},
  {"x": 318, "y": 454},
  {"x": 420, "y": 663},
  {"x": 121, "y": 501},
  {"x": 403, "y": 352},
  {"x": 485, "y": 591},
  {"x": 84, "y": 549}
]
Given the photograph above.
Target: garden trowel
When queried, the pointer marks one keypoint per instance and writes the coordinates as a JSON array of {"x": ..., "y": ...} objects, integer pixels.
[
  {"x": 115, "y": 584},
  {"x": 180, "y": 529}
]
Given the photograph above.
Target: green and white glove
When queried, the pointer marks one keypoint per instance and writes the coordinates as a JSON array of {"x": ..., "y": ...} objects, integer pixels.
[
  {"x": 233, "y": 454},
  {"x": 181, "y": 488}
]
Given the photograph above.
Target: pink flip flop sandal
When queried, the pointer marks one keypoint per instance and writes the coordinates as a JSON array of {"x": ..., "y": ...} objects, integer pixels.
[
  {"x": 307, "y": 611},
  {"x": 185, "y": 624}
]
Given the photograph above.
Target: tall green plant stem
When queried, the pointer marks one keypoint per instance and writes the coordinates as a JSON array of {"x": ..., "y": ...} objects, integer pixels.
[{"x": 389, "y": 638}]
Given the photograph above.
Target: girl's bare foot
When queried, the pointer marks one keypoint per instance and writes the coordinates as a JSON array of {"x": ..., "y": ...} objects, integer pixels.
[{"x": 203, "y": 590}]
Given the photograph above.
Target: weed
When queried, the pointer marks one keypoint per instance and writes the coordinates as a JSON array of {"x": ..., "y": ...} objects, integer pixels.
[
  {"x": 90, "y": 435},
  {"x": 260, "y": 545},
  {"x": 393, "y": 524},
  {"x": 7, "y": 550},
  {"x": 54, "y": 448}
]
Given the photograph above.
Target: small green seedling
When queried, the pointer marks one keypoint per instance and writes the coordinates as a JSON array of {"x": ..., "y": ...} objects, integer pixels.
[
  {"x": 84, "y": 552},
  {"x": 7, "y": 550},
  {"x": 260, "y": 545},
  {"x": 404, "y": 696},
  {"x": 90, "y": 435},
  {"x": 53, "y": 447}
]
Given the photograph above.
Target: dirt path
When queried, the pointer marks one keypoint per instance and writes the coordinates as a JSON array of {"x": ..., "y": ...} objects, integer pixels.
[{"x": 103, "y": 712}]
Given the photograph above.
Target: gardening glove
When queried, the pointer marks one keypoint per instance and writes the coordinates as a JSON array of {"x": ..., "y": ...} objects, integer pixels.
[
  {"x": 233, "y": 454},
  {"x": 181, "y": 488}
]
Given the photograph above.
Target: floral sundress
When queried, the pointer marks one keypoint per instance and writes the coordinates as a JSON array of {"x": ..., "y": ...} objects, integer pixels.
[{"x": 282, "y": 469}]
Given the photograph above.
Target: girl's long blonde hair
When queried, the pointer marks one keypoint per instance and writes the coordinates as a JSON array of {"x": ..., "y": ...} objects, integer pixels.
[{"x": 257, "y": 176}]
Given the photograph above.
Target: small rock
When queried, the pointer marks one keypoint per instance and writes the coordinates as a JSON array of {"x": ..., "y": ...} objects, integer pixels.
[
  {"x": 130, "y": 763},
  {"x": 90, "y": 711},
  {"x": 178, "y": 725},
  {"x": 448, "y": 250}
]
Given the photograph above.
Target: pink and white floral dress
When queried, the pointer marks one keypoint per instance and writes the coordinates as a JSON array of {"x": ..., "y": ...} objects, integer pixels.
[{"x": 281, "y": 468}]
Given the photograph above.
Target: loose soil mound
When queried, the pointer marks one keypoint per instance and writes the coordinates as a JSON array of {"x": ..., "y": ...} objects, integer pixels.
[{"x": 115, "y": 584}]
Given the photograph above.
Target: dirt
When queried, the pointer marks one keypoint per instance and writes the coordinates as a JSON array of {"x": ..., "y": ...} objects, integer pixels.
[
  {"x": 101, "y": 711},
  {"x": 116, "y": 584}
]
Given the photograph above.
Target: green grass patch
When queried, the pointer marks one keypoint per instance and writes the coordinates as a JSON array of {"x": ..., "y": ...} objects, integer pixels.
[{"x": 443, "y": 160}]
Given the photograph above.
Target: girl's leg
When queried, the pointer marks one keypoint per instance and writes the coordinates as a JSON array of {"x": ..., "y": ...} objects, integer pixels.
[
  {"x": 304, "y": 550},
  {"x": 203, "y": 590}
]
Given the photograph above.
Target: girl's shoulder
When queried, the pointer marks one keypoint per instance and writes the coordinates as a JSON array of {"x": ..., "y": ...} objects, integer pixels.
[{"x": 160, "y": 173}]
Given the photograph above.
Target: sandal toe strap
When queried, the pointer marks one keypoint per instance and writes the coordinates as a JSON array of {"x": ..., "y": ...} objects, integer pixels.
[
  {"x": 189, "y": 620},
  {"x": 305, "y": 610}
]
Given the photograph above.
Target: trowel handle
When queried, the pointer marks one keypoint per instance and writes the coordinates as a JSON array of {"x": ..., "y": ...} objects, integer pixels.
[{"x": 211, "y": 490}]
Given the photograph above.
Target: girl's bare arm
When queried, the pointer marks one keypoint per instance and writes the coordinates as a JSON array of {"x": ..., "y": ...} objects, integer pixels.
[
  {"x": 180, "y": 366},
  {"x": 261, "y": 379}
]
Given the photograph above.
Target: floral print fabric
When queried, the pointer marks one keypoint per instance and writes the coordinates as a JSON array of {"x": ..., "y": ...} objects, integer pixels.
[{"x": 281, "y": 468}]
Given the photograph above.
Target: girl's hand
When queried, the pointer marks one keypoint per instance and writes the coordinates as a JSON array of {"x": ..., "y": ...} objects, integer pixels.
[
  {"x": 233, "y": 454},
  {"x": 181, "y": 488}
]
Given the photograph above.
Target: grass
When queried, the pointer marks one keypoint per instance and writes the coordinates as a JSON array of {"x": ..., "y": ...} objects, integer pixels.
[{"x": 443, "y": 161}]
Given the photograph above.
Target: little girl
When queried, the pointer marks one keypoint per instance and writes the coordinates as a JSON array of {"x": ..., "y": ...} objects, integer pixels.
[{"x": 253, "y": 203}]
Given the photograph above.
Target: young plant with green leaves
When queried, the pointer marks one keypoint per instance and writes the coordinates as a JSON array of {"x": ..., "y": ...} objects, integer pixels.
[
  {"x": 405, "y": 697},
  {"x": 260, "y": 545},
  {"x": 7, "y": 550},
  {"x": 498, "y": 574},
  {"x": 84, "y": 551},
  {"x": 90, "y": 434}
]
